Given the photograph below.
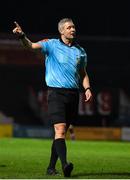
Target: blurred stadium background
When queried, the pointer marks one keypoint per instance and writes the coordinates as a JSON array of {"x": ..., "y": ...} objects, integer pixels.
[{"x": 103, "y": 29}]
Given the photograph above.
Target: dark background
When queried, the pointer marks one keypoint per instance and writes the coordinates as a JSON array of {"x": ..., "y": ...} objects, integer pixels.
[
  {"x": 103, "y": 29},
  {"x": 100, "y": 18}
]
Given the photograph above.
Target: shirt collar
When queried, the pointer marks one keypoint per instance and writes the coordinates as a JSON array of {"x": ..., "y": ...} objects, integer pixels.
[{"x": 74, "y": 43}]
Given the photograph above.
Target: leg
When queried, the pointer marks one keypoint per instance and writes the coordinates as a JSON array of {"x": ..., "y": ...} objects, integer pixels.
[
  {"x": 60, "y": 144},
  {"x": 58, "y": 148},
  {"x": 60, "y": 131},
  {"x": 71, "y": 131},
  {"x": 53, "y": 159},
  {"x": 57, "y": 102}
]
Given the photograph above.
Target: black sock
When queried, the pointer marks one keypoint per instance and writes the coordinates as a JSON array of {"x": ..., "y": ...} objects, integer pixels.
[
  {"x": 54, "y": 156},
  {"x": 61, "y": 149}
]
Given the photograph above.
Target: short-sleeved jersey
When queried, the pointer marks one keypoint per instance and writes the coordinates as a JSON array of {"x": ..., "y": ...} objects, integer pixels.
[{"x": 63, "y": 63}]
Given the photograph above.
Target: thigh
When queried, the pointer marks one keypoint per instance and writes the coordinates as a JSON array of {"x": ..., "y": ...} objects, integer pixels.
[
  {"x": 56, "y": 107},
  {"x": 72, "y": 109}
]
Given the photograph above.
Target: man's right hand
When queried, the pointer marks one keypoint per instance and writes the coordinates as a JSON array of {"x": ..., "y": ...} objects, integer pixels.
[
  {"x": 17, "y": 30},
  {"x": 25, "y": 41}
]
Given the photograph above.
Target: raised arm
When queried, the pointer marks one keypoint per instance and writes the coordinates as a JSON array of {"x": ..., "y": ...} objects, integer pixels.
[{"x": 24, "y": 40}]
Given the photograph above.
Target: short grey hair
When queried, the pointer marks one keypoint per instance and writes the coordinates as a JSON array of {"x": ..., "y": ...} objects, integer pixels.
[{"x": 62, "y": 22}]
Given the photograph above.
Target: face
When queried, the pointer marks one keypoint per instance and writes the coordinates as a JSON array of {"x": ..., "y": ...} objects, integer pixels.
[{"x": 68, "y": 30}]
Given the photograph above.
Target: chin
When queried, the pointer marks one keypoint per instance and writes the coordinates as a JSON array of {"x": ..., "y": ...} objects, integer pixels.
[{"x": 72, "y": 37}]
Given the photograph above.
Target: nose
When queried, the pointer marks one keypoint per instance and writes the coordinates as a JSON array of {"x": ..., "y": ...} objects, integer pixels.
[{"x": 73, "y": 28}]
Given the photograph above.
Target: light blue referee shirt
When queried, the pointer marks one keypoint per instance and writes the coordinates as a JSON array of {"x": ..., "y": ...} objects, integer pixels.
[{"x": 63, "y": 63}]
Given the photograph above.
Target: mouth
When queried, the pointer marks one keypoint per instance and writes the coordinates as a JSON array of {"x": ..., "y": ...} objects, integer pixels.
[{"x": 73, "y": 34}]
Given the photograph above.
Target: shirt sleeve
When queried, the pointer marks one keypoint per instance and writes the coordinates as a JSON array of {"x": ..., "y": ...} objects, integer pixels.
[{"x": 46, "y": 45}]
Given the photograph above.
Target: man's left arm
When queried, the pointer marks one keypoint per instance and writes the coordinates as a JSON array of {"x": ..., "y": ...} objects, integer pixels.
[{"x": 86, "y": 84}]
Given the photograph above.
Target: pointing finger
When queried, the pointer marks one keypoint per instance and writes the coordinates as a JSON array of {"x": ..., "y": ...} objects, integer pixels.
[{"x": 17, "y": 25}]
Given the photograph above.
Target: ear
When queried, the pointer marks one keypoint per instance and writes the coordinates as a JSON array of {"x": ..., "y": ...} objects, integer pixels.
[{"x": 61, "y": 31}]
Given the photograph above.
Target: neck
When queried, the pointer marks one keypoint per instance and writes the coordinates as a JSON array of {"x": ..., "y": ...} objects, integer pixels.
[{"x": 67, "y": 41}]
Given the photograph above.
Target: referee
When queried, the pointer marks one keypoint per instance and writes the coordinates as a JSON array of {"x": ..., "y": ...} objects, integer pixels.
[{"x": 65, "y": 62}]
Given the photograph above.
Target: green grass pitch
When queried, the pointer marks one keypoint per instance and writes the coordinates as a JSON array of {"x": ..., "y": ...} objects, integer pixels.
[{"x": 22, "y": 158}]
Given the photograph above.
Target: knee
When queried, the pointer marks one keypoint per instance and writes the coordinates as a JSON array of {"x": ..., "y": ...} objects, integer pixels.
[{"x": 60, "y": 131}]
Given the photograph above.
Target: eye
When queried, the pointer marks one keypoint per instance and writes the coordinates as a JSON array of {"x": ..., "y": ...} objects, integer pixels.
[{"x": 69, "y": 27}]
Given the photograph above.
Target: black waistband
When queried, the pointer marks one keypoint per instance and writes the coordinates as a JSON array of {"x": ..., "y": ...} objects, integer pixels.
[{"x": 64, "y": 89}]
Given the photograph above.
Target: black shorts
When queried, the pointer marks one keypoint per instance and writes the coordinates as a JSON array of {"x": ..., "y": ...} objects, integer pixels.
[{"x": 63, "y": 105}]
